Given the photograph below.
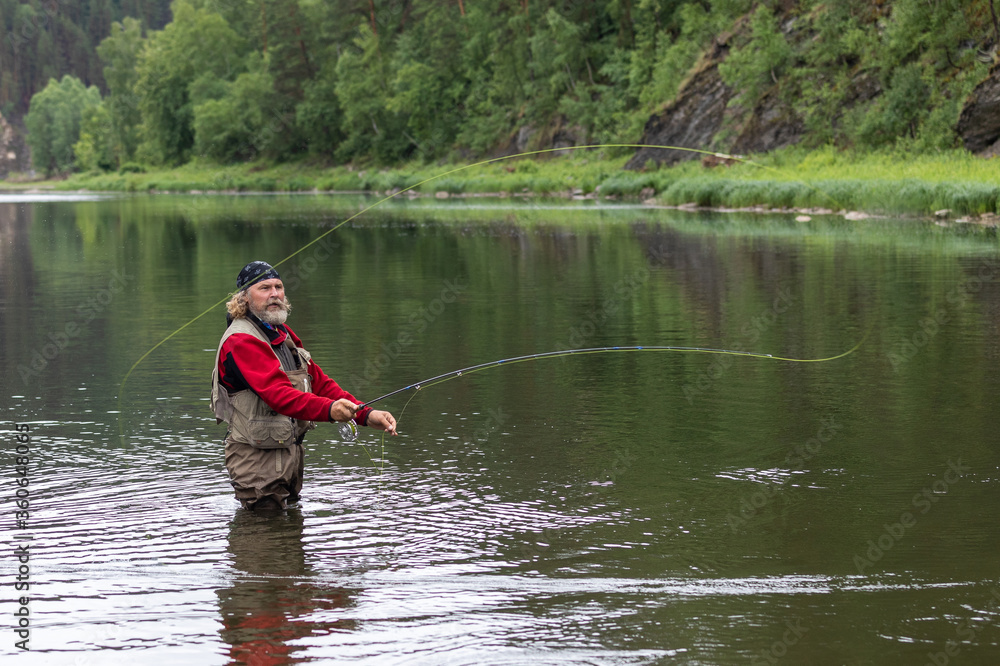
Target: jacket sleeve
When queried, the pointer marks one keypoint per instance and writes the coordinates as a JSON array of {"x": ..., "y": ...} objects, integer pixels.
[
  {"x": 262, "y": 372},
  {"x": 325, "y": 386}
]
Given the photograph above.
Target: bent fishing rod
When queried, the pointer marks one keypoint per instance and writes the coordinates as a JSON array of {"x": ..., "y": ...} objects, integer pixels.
[{"x": 454, "y": 374}]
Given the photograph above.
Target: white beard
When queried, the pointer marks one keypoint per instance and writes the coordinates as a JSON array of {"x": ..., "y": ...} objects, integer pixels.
[{"x": 273, "y": 317}]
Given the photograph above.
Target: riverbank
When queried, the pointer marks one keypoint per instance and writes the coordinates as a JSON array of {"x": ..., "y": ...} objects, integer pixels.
[{"x": 953, "y": 185}]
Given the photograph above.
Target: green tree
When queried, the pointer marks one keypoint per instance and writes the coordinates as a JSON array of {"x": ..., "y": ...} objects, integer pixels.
[
  {"x": 496, "y": 59},
  {"x": 900, "y": 112},
  {"x": 181, "y": 66},
  {"x": 120, "y": 54},
  {"x": 385, "y": 79},
  {"x": 429, "y": 87},
  {"x": 245, "y": 122},
  {"x": 363, "y": 73},
  {"x": 53, "y": 122},
  {"x": 328, "y": 29},
  {"x": 43, "y": 39},
  {"x": 96, "y": 147},
  {"x": 757, "y": 66},
  {"x": 688, "y": 31},
  {"x": 585, "y": 65},
  {"x": 933, "y": 31},
  {"x": 318, "y": 116},
  {"x": 286, "y": 50},
  {"x": 557, "y": 50}
]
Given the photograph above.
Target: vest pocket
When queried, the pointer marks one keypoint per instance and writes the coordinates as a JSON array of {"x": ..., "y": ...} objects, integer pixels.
[{"x": 276, "y": 433}]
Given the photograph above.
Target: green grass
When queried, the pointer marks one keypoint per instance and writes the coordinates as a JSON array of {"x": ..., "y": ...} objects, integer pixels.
[{"x": 880, "y": 183}]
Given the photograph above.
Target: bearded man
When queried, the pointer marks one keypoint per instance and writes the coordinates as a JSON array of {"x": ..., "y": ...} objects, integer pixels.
[{"x": 266, "y": 386}]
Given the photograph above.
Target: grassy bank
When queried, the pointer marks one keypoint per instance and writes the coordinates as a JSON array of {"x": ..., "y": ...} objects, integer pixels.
[{"x": 880, "y": 183}]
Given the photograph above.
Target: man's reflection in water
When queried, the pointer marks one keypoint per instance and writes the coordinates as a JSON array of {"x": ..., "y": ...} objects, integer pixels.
[{"x": 272, "y": 603}]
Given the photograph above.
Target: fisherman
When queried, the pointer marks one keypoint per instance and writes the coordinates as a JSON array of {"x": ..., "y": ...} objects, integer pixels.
[{"x": 267, "y": 388}]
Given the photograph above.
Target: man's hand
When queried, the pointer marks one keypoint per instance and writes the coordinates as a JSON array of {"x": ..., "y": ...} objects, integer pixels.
[
  {"x": 382, "y": 421},
  {"x": 343, "y": 410}
]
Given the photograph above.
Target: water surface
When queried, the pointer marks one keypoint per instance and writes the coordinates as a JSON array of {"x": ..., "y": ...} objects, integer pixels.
[{"x": 639, "y": 507}]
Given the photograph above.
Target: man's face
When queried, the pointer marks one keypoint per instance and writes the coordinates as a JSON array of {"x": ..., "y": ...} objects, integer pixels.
[{"x": 268, "y": 302}]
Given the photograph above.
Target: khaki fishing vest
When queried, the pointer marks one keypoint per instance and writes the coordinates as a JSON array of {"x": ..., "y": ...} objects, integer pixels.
[{"x": 251, "y": 421}]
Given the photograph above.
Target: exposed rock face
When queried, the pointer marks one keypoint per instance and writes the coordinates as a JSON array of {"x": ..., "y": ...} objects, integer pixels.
[
  {"x": 771, "y": 125},
  {"x": 528, "y": 137},
  {"x": 694, "y": 120},
  {"x": 698, "y": 118},
  {"x": 13, "y": 150},
  {"x": 979, "y": 124},
  {"x": 691, "y": 121}
]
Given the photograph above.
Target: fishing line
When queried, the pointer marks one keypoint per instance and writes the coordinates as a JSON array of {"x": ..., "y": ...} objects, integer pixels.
[
  {"x": 455, "y": 374},
  {"x": 352, "y": 434},
  {"x": 121, "y": 387},
  {"x": 381, "y": 462}
]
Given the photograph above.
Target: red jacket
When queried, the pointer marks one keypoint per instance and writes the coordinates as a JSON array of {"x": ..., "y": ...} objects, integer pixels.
[{"x": 246, "y": 362}]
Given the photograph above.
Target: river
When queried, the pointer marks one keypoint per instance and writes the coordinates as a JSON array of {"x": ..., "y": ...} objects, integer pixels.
[{"x": 622, "y": 507}]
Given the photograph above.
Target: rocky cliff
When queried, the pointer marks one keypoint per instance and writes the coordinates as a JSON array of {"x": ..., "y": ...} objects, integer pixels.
[
  {"x": 979, "y": 124},
  {"x": 692, "y": 120},
  {"x": 701, "y": 118},
  {"x": 14, "y": 155}
]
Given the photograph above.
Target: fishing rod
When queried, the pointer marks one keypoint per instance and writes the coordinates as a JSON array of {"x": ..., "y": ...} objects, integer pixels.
[{"x": 432, "y": 381}]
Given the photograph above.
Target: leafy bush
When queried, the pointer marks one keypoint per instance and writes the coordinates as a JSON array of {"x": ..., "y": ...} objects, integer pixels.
[
  {"x": 900, "y": 111},
  {"x": 757, "y": 65},
  {"x": 627, "y": 183},
  {"x": 298, "y": 184}
]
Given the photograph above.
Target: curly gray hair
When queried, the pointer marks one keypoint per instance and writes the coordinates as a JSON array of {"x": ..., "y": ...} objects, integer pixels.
[{"x": 238, "y": 304}]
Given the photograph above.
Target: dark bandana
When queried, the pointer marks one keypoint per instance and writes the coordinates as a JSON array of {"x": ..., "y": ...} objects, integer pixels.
[{"x": 255, "y": 271}]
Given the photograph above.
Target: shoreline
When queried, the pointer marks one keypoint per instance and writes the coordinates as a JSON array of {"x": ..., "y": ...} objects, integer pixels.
[
  {"x": 941, "y": 217},
  {"x": 950, "y": 188}
]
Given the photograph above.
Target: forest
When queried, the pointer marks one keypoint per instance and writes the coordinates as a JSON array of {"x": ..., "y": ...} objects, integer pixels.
[
  {"x": 106, "y": 85},
  {"x": 48, "y": 39}
]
